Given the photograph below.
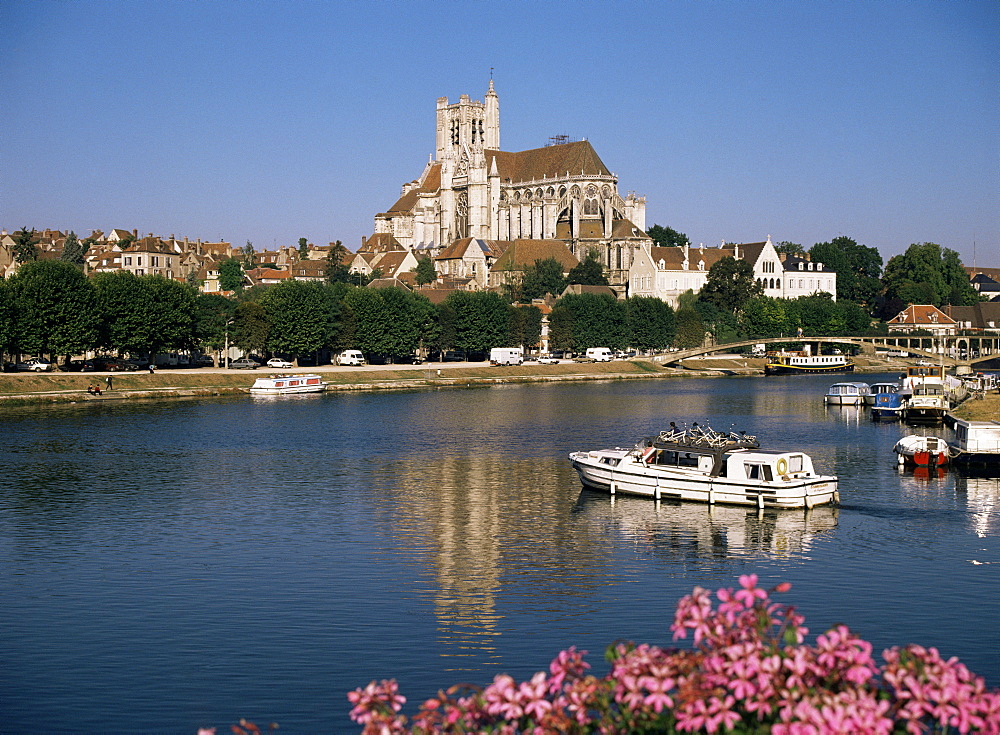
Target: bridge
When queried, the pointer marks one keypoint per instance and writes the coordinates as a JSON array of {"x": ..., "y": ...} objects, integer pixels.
[{"x": 953, "y": 351}]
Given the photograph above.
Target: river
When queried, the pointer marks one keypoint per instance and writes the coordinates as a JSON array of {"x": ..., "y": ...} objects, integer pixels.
[{"x": 169, "y": 565}]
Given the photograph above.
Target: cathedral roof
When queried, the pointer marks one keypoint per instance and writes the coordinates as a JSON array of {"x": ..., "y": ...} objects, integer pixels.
[
  {"x": 459, "y": 248},
  {"x": 430, "y": 183},
  {"x": 521, "y": 253},
  {"x": 593, "y": 229},
  {"x": 553, "y": 161}
]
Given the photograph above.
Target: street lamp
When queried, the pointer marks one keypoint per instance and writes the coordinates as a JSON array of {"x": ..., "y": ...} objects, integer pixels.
[{"x": 228, "y": 322}]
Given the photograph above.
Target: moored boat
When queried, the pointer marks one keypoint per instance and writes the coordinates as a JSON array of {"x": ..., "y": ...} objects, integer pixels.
[
  {"x": 846, "y": 394},
  {"x": 927, "y": 405},
  {"x": 887, "y": 407},
  {"x": 877, "y": 388},
  {"x": 790, "y": 363},
  {"x": 922, "y": 451},
  {"x": 276, "y": 385},
  {"x": 976, "y": 443},
  {"x": 703, "y": 465}
]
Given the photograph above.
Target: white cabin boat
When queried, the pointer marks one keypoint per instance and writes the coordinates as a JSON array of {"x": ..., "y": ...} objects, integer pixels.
[
  {"x": 790, "y": 363},
  {"x": 928, "y": 404},
  {"x": 922, "y": 451},
  {"x": 846, "y": 394},
  {"x": 276, "y": 385},
  {"x": 977, "y": 443},
  {"x": 705, "y": 466}
]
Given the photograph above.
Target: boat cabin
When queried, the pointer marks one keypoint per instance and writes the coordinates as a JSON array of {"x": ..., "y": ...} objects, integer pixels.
[
  {"x": 737, "y": 464},
  {"x": 978, "y": 436}
]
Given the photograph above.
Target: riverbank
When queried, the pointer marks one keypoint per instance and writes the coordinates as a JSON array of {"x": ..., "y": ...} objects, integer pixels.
[
  {"x": 979, "y": 409},
  {"x": 35, "y": 388}
]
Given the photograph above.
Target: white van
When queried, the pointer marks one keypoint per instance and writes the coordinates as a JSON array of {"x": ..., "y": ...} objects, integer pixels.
[
  {"x": 599, "y": 354},
  {"x": 351, "y": 357},
  {"x": 506, "y": 356}
]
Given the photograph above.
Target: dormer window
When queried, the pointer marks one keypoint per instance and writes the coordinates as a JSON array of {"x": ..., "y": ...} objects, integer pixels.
[
  {"x": 701, "y": 265},
  {"x": 810, "y": 266},
  {"x": 819, "y": 266},
  {"x": 663, "y": 264},
  {"x": 802, "y": 266}
]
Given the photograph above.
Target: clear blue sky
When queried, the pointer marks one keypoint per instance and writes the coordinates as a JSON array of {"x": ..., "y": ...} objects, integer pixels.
[{"x": 270, "y": 121}]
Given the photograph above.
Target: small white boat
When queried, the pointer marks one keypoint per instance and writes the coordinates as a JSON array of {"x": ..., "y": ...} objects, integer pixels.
[
  {"x": 877, "y": 388},
  {"x": 702, "y": 465},
  {"x": 276, "y": 385},
  {"x": 976, "y": 443},
  {"x": 846, "y": 394},
  {"x": 922, "y": 451}
]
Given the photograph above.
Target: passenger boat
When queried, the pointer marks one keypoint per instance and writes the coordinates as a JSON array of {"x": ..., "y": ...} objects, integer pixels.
[
  {"x": 927, "y": 405},
  {"x": 846, "y": 394},
  {"x": 790, "y": 363},
  {"x": 887, "y": 407},
  {"x": 877, "y": 388},
  {"x": 922, "y": 451},
  {"x": 276, "y": 385},
  {"x": 705, "y": 466},
  {"x": 976, "y": 443}
]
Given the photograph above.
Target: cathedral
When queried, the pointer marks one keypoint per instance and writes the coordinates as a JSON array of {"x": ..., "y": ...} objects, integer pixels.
[{"x": 470, "y": 188}]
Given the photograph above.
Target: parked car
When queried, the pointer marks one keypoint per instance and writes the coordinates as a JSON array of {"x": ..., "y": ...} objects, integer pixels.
[
  {"x": 546, "y": 359},
  {"x": 34, "y": 365},
  {"x": 244, "y": 363},
  {"x": 138, "y": 363},
  {"x": 276, "y": 363},
  {"x": 453, "y": 356},
  {"x": 351, "y": 357},
  {"x": 204, "y": 361},
  {"x": 113, "y": 365}
]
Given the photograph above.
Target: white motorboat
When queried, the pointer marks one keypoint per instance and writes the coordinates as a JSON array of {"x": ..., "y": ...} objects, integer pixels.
[
  {"x": 276, "y": 385},
  {"x": 702, "y": 465},
  {"x": 922, "y": 451},
  {"x": 976, "y": 443},
  {"x": 846, "y": 394},
  {"x": 927, "y": 405}
]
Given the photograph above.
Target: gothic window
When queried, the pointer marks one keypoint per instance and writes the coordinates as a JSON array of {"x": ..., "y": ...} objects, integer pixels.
[
  {"x": 462, "y": 214},
  {"x": 590, "y": 206}
]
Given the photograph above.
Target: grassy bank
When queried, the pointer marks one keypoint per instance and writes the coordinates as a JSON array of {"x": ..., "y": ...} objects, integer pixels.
[{"x": 984, "y": 409}]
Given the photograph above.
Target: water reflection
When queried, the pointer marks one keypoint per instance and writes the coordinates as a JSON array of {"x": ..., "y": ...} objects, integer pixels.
[
  {"x": 702, "y": 530},
  {"x": 982, "y": 499}
]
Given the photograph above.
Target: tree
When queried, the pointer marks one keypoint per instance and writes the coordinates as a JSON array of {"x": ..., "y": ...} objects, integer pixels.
[
  {"x": 145, "y": 314},
  {"x": 764, "y": 316},
  {"x": 336, "y": 269},
  {"x": 525, "y": 326},
  {"x": 730, "y": 284},
  {"x": 74, "y": 251},
  {"x": 928, "y": 274},
  {"x": 303, "y": 249},
  {"x": 302, "y": 316},
  {"x": 211, "y": 313},
  {"x": 598, "y": 321},
  {"x": 371, "y": 320},
  {"x": 666, "y": 236},
  {"x": 858, "y": 268},
  {"x": 54, "y": 309},
  {"x": 248, "y": 256},
  {"x": 251, "y": 328},
  {"x": 231, "y": 275},
  {"x": 425, "y": 272},
  {"x": 444, "y": 335},
  {"x": 690, "y": 329},
  {"x": 588, "y": 272},
  {"x": 24, "y": 249},
  {"x": 406, "y": 323},
  {"x": 651, "y": 323},
  {"x": 481, "y": 320},
  {"x": 540, "y": 278},
  {"x": 789, "y": 248},
  {"x": 561, "y": 328}
]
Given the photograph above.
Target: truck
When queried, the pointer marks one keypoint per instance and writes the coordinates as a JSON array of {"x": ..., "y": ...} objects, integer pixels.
[
  {"x": 599, "y": 354},
  {"x": 506, "y": 356}
]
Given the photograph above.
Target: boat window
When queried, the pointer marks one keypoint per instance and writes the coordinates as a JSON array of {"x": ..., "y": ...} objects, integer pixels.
[
  {"x": 687, "y": 460},
  {"x": 768, "y": 475},
  {"x": 753, "y": 471},
  {"x": 795, "y": 463},
  {"x": 613, "y": 461}
]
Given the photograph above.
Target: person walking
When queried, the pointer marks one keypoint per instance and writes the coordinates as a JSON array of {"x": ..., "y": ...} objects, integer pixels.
[{"x": 110, "y": 383}]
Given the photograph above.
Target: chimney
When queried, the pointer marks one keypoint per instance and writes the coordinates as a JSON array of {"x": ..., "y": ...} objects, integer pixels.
[{"x": 135, "y": 234}]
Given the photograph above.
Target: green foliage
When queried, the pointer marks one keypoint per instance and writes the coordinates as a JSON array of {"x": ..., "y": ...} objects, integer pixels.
[
  {"x": 24, "y": 249},
  {"x": 666, "y": 236},
  {"x": 73, "y": 250},
  {"x": 598, "y": 321},
  {"x": 303, "y": 248},
  {"x": 302, "y": 315},
  {"x": 211, "y": 312},
  {"x": 928, "y": 274},
  {"x": 248, "y": 256},
  {"x": 444, "y": 335},
  {"x": 651, "y": 323},
  {"x": 792, "y": 248},
  {"x": 481, "y": 320},
  {"x": 425, "y": 272},
  {"x": 370, "y": 317},
  {"x": 402, "y": 333},
  {"x": 730, "y": 284},
  {"x": 561, "y": 328},
  {"x": 231, "y": 275},
  {"x": 764, "y": 316},
  {"x": 6, "y": 317},
  {"x": 690, "y": 329},
  {"x": 525, "y": 326},
  {"x": 820, "y": 315},
  {"x": 335, "y": 269},
  {"x": 542, "y": 277},
  {"x": 145, "y": 314},
  {"x": 251, "y": 328},
  {"x": 53, "y": 309},
  {"x": 858, "y": 268},
  {"x": 588, "y": 272}
]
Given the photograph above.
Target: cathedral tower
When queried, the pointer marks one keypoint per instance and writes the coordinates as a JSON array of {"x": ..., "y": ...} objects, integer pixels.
[{"x": 467, "y": 123}]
